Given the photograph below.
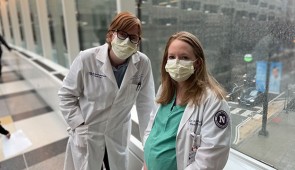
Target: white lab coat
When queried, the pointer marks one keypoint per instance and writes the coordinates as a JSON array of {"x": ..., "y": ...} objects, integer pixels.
[
  {"x": 90, "y": 94},
  {"x": 213, "y": 142}
]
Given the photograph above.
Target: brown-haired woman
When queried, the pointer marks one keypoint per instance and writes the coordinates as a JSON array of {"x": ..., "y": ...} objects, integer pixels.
[{"x": 97, "y": 95}]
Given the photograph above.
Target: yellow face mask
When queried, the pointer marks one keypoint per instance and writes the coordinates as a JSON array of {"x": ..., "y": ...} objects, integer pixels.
[
  {"x": 179, "y": 70},
  {"x": 123, "y": 48}
]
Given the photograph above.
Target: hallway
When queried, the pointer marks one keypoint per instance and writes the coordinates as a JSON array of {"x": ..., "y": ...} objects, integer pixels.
[{"x": 21, "y": 108}]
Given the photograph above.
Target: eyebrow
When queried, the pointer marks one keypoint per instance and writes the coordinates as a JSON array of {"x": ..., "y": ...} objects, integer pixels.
[{"x": 182, "y": 54}]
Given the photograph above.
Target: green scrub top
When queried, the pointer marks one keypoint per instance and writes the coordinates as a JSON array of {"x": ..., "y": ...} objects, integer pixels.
[{"x": 160, "y": 147}]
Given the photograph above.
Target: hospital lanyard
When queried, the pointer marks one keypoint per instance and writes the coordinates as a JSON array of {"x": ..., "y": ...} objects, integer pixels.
[
  {"x": 138, "y": 87},
  {"x": 196, "y": 133}
]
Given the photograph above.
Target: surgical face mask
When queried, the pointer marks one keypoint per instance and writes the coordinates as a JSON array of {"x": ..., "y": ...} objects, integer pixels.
[
  {"x": 123, "y": 48},
  {"x": 179, "y": 70}
]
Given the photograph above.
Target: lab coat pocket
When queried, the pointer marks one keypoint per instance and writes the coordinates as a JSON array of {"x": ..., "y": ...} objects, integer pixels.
[
  {"x": 80, "y": 146},
  {"x": 80, "y": 138},
  {"x": 131, "y": 94}
]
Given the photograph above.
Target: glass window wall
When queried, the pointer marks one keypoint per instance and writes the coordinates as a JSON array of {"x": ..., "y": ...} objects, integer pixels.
[
  {"x": 243, "y": 46},
  {"x": 10, "y": 24},
  {"x": 23, "y": 43},
  {"x": 93, "y": 19},
  {"x": 35, "y": 27},
  {"x": 57, "y": 32}
]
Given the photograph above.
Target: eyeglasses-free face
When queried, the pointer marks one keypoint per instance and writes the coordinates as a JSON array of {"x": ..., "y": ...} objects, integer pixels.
[{"x": 123, "y": 35}]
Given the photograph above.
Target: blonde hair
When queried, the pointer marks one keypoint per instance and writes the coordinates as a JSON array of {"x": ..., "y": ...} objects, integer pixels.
[
  {"x": 196, "y": 86},
  {"x": 123, "y": 21}
]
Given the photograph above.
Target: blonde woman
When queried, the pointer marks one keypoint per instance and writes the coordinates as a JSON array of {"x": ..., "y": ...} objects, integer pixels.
[{"x": 191, "y": 128}]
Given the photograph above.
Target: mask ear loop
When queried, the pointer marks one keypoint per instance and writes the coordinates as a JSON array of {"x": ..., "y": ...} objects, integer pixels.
[{"x": 195, "y": 65}]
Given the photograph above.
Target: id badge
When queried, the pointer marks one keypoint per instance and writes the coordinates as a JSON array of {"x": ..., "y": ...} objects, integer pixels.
[
  {"x": 193, "y": 150},
  {"x": 192, "y": 154}
]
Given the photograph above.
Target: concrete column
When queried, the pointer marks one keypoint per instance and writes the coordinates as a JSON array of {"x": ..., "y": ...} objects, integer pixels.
[
  {"x": 44, "y": 28},
  {"x": 71, "y": 29}
]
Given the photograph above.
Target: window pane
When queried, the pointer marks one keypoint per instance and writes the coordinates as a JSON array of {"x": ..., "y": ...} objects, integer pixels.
[
  {"x": 57, "y": 32},
  {"x": 241, "y": 41},
  {"x": 10, "y": 23},
  {"x": 93, "y": 19},
  {"x": 253, "y": 2},
  {"x": 35, "y": 27},
  {"x": 23, "y": 43}
]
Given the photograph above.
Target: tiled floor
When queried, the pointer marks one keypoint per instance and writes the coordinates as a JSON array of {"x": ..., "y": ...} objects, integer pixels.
[{"x": 22, "y": 109}]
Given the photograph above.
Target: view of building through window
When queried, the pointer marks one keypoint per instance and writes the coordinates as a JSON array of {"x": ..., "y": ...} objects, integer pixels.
[{"x": 239, "y": 36}]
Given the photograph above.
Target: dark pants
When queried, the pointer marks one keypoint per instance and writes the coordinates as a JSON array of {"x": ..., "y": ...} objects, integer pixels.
[
  {"x": 106, "y": 160},
  {"x": 3, "y": 130}
]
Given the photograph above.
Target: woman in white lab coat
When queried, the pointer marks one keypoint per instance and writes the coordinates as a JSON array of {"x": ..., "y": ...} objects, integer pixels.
[
  {"x": 191, "y": 128},
  {"x": 98, "y": 93}
]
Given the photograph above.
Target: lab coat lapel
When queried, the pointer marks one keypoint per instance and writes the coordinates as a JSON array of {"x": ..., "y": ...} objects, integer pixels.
[
  {"x": 186, "y": 115},
  {"x": 106, "y": 68},
  {"x": 131, "y": 69}
]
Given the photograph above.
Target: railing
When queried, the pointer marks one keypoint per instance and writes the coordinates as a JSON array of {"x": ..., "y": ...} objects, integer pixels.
[{"x": 46, "y": 78}]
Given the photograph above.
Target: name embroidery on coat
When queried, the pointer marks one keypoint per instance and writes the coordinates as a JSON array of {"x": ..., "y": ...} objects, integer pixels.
[{"x": 96, "y": 75}]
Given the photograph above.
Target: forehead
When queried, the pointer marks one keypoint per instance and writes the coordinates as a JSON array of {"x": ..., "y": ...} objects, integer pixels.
[{"x": 179, "y": 46}]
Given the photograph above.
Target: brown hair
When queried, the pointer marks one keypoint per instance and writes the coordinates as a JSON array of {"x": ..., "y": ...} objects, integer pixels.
[
  {"x": 197, "y": 83},
  {"x": 123, "y": 21}
]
